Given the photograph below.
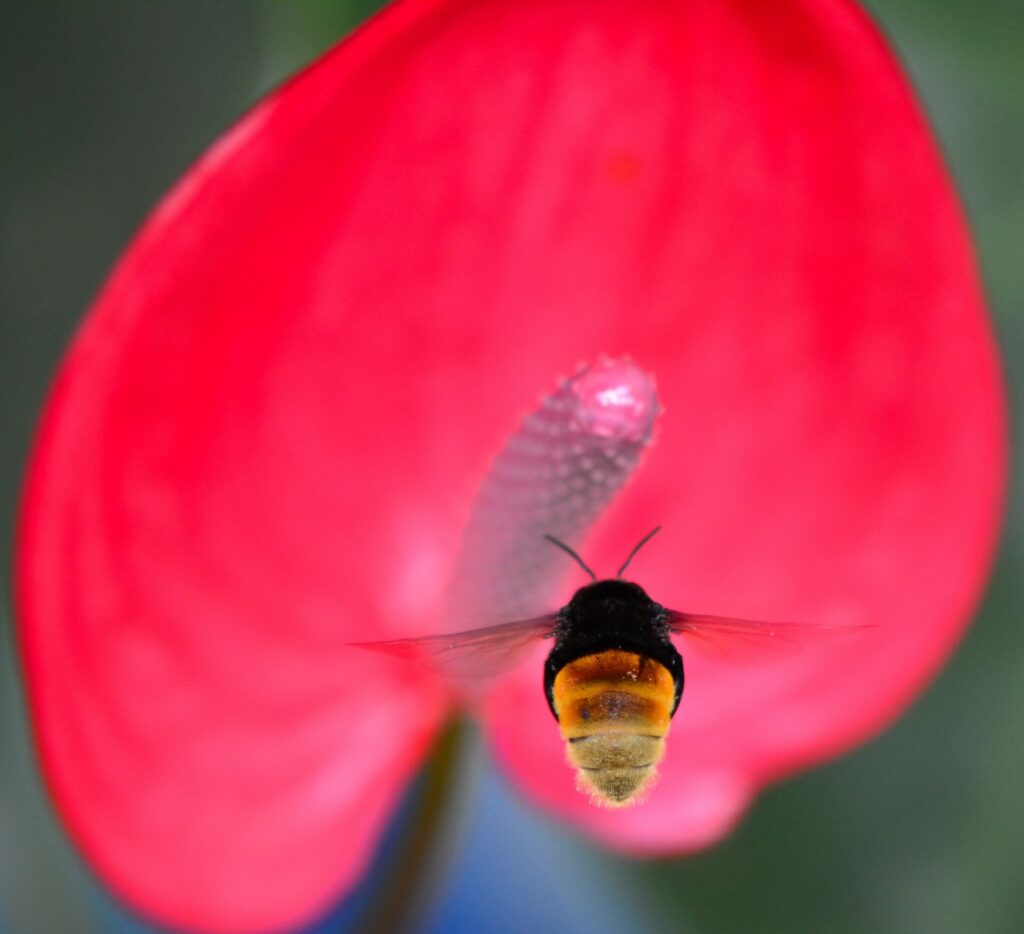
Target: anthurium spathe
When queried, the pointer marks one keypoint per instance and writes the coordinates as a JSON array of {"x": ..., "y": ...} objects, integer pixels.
[{"x": 265, "y": 440}]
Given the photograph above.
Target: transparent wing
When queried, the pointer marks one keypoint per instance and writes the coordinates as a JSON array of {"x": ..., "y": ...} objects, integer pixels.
[
  {"x": 748, "y": 640},
  {"x": 473, "y": 653}
]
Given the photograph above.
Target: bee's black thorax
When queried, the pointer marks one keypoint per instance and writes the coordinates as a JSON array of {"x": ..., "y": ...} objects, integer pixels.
[{"x": 612, "y": 614}]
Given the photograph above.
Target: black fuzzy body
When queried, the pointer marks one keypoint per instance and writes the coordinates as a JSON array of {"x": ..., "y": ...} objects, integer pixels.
[{"x": 612, "y": 614}]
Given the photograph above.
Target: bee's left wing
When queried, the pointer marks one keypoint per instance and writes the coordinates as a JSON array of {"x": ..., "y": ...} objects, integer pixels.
[
  {"x": 473, "y": 653},
  {"x": 748, "y": 640}
]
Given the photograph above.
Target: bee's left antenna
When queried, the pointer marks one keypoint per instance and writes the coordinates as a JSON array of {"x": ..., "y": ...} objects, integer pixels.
[
  {"x": 572, "y": 554},
  {"x": 640, "y": 544}
]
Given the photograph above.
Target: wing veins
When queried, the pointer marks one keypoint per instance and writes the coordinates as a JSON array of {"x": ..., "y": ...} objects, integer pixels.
[
  {"x": 742, "y": 640},
  {"x": 470, "y": 654}
]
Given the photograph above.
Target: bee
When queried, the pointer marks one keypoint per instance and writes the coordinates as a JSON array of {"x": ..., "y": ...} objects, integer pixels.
[{"x": 613, "y": 678}]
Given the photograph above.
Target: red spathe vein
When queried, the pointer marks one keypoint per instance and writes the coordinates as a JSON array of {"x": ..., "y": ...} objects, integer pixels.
[{"x": 265, "y": 441}]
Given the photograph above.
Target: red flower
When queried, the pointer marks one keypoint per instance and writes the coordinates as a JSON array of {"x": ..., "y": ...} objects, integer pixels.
[{"x": 266, "y": 438}]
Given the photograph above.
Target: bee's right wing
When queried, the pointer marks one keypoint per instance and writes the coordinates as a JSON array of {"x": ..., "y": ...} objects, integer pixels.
[
  {"x": 473, "y": 653},
  {"x": 748, "y": 640}
]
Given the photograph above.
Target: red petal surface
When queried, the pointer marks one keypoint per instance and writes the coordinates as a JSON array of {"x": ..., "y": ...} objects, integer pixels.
[
  {"x": 266, "y": 439},
  {"x": 788, "y": 259}
]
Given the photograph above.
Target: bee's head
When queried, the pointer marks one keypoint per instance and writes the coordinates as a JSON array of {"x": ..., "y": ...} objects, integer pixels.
[{"x": 611, "y": 590}]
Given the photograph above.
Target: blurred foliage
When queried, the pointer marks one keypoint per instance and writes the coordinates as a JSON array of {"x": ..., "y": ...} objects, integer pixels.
[{"x": 106, "y": 102}]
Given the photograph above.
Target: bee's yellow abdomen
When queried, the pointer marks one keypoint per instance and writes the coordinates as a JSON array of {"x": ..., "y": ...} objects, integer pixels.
[{"x": 614, "y": 709}]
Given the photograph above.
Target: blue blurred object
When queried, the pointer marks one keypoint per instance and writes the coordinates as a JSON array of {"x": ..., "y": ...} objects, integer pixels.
[{"x": 519, "y": 872}]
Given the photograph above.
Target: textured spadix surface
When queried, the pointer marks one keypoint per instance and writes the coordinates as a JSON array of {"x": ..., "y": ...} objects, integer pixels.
[{"x": 266, "y": 438}]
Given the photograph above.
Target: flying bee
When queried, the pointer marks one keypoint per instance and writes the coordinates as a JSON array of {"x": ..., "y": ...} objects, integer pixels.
[{"x": 613, "y": 679}]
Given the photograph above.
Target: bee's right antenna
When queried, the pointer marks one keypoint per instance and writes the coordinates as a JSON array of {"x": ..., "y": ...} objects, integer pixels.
[
  {"x": 576, "y": 557},
  {"x": 640, "y": 544}
]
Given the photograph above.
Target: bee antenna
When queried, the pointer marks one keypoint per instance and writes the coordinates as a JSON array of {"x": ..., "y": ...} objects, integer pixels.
[
  {"x": 572, "y": 554},
  {"x": 640, "y": 544}
]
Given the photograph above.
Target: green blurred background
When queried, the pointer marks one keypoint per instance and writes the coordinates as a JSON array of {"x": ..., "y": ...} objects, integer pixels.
[{"x": 103, "y": 104}]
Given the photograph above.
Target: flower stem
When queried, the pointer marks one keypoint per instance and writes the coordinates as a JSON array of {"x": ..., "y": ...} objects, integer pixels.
[{"x": 430, "y": 838}]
